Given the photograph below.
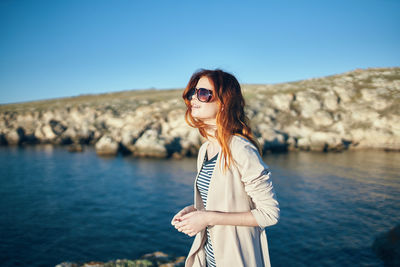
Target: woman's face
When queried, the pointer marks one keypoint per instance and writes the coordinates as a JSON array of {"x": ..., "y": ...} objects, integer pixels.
[{"x": 205, "y": 111}]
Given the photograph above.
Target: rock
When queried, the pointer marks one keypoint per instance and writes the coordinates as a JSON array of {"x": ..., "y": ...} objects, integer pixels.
[
  {"x": 374, "y": 99},
  {"x": 363, "y": 114},
  {"x": 67, "y": 264},
  {"x": 387, "y": 246},
  {"x": 340, "y": 129},
  {"x": 298, "y": 130},
  {"x": 150, "y": 145},
  {"x": 271, "y": 139},
  {"x": 13, "y": 137},
  {"x": 69, "y": 133},
  {"x": 57, "y": 127},
  {"x": 330, "y": 100},
  {"x": 304, "y": 143},
  {"x": 155, "y": 259},
  {"x": 323, "y": 141},
  {"x": 75, "y": 148},
  {"x": 113, "y": 122},
  {"x": 94, "y": 264},
  {"x": 356, "y": 109},
  {"x": 345, "y": 94},
  {"x": 46, "y": 133},
  {"x": 132, "y": 130},
  {"x": 163, "y": 260},
  {"x": 366, "y": 138},
  {"x": 322, "y": 118},
  {"x": 107, "y": 146},
  {"x": 308, "y": 103},
  {"x": 282, "y": 101}
]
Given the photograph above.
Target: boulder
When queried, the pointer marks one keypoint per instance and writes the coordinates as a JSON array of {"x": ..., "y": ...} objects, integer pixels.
[
  {"x": 308, "y": 103},
  {"x": 13, "y": 137},
  {"x": 325, "y": 141},
  {"x": 107, "y": 146},
  {"x": 150, "y": 144},
  {"x": 322, "y": 118},
  {"x": 47, "y": 133},
  {"x": 282, "y": 101},
  {"x": 75, "y": 148},
  {"x": 330, "y": 100}
]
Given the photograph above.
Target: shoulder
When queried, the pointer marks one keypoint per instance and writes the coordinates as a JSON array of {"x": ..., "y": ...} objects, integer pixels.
[
  {"x": 239, "y": 143},
  {"x": 246, "y": 154}
]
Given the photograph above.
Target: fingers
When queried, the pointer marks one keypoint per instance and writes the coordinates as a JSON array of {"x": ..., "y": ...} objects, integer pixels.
[
  {"x": 173, "y": 221},
  {"x": 180, "y": 225},
  {"x": 176, "y": 218},
  {"x": 185, "y": 228},
  {"x": 187, "y": 215},
  {"x": 189, "y": 232}
]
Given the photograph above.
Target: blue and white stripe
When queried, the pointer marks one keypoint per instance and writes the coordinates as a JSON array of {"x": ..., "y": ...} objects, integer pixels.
[{"x": 203, "y": 183}]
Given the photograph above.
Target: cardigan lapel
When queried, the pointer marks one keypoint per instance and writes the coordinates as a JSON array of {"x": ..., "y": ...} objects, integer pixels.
[
  {"x": 198, "y": 202},
  {"x": 214, "y": 175}
]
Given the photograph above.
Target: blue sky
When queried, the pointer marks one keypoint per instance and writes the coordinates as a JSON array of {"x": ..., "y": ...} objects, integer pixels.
[{"x": 51, "y": 49}]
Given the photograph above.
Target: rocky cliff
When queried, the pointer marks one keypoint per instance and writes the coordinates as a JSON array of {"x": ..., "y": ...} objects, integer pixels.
[{"x": 354, "y": 110}]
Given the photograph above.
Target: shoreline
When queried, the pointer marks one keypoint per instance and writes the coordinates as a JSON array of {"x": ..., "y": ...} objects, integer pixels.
[
  {"x": 353, "y": 110},
  {"x": 155, "y": 259}
]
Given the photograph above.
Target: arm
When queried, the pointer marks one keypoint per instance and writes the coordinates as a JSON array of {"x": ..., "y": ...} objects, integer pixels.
[
  {"x": 231, "y": 218},
  {"x": 255, "y": 176},
  {"x": 193, "y": 222}
]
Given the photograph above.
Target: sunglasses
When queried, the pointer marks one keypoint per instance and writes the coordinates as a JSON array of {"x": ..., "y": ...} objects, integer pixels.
[{"x": 202, "y": 94}]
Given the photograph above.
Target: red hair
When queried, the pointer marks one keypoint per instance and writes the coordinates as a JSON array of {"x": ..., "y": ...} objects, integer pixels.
[{"x": 231, "y": 120}]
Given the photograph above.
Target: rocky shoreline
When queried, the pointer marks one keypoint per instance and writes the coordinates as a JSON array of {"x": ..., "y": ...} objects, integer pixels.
[
  {"x": 354, "y": 110},
  {"x": 155, "y": 259}
]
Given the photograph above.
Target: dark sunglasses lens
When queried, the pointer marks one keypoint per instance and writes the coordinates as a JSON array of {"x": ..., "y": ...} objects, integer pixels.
[
  {"x": 203, "y": 94},
  {"x": 190, "y": 94}
]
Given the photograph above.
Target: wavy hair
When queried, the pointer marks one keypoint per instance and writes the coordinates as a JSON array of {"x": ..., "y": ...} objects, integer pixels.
[{"x": 231, "y": 120}]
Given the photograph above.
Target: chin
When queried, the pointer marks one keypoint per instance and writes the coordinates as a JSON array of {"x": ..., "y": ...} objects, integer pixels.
[{"x": 195, "y": 115}]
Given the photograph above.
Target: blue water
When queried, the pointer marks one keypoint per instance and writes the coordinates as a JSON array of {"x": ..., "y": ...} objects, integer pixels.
[{"x": 58, "y": 206}]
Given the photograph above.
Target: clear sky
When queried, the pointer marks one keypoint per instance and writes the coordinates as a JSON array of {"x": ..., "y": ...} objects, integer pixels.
[{"x": 58, "y": 48}]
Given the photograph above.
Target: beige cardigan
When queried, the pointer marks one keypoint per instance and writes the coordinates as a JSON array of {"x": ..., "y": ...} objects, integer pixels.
[{"x": 247, "y": 187}]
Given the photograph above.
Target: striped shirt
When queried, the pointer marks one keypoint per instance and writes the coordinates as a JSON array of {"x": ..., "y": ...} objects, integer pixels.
[{"x": 203, "y": 182}]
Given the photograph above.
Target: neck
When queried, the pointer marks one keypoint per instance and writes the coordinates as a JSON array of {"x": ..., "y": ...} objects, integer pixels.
[
  {"x": 212, "y": 139},
  {"x": 211, "y": 130}
]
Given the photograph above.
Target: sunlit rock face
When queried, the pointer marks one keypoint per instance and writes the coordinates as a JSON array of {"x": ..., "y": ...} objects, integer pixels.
[{"x": 352, "y": 110}]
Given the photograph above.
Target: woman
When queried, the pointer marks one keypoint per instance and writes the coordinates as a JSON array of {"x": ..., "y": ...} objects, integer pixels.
[{"x": 234, "y": 198}]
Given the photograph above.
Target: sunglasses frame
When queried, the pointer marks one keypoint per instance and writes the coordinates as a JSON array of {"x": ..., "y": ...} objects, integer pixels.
[{"x": 196, "y": 92}]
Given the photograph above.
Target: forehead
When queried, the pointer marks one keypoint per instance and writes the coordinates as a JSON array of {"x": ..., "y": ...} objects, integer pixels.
[{"x": 204, "y": 82}]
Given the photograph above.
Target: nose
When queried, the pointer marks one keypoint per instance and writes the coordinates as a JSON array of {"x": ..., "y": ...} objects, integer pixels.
[
  {"x": 194, "y": 98},
  {"x": 194, "y": 102},
  {"x": 194, "y": 95}
]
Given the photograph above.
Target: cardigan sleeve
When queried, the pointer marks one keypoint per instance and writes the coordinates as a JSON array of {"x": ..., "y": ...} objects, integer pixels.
[{"x": 256, "y": 176}]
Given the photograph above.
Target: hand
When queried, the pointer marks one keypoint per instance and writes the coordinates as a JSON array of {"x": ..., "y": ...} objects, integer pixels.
[
  {"x": 185, "y": 210},
  {"x": 192, "y": 222}
]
